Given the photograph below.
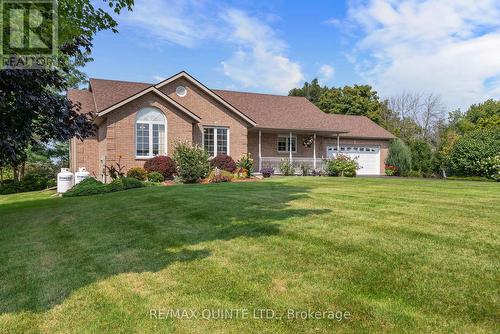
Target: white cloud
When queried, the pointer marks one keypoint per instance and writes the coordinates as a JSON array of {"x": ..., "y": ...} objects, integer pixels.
[
  {"x": 259, "y": 61},
  {"x": 326, "y": 73},
  {"x": 179, "y": 22},
  {"x": 158, "y": 78},
  {"x": 449, "y": 47}
]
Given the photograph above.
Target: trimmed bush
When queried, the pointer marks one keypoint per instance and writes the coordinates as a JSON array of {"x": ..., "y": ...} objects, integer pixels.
[
  {"x": 131, "y": 183},
  {"x": 218, "y": 176},
  {"x": 246, "y": 162},
  {"x": 192, "y": 162},
  {"x": 137, "y": 173},
  {"x": 399, "y": 156},
  {"x": 469, "y": 152},
  {"x": 223, "y": 162},
  {"x": 116, "y": 185},
  {"x": 89, "y": 186},
  {"x": 341, "y": 165},
  {"x": 124, "y": 183},
  {"x": 161, "y": 164},
  {"x": 155, "y": 177}
]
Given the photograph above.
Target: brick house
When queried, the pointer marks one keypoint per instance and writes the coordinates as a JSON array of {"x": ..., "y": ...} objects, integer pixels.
[{"x": 136, "y": 121}]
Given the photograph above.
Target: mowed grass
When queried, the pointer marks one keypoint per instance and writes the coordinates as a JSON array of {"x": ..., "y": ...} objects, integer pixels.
[{"x": 400, "y": 255}]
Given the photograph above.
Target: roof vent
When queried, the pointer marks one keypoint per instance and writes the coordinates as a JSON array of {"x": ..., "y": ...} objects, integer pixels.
[{"x": 181, "y": 91}]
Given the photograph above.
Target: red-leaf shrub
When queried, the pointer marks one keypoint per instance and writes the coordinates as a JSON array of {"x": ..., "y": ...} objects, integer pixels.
[
  {"x": 224, "y": 162},
  {"x": 161, "y": 164}
]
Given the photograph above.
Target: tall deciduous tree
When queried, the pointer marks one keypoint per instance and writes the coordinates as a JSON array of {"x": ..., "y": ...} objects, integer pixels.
[
  {"x": 33, "y": 106},
  {"x": 311, "y": 91}
]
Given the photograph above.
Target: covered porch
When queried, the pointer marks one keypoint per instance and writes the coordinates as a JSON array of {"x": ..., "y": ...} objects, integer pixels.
[{"x": 301, "y": 148}]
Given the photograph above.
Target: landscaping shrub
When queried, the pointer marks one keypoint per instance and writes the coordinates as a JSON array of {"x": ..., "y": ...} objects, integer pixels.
[
  {"x": 124, "y": 183},
  {"x": 267, "y": 171},
  {"x": 32, "y": 181},
  {"x": 10, "y": 187},
  {"x": 341, "y": 165},
  {"x": 286, "y": 168},
  {"x": 223, "y": 162},
  {"x": 137, "y": 173},
  {"x": 116, "y": 185},
  {"x": 399, "y": 156},
  {"x": 192, "y": 162},
  {"x": 391, "y": 170},
  {"x": 161, "y": 164},
  {"x": 246, "y": 162},
  {"x": 415, "y": 173},
  {"x": 155, "y": 177},
  {"x": 318, "y": 172},
  {"x": 421, "y": 157},
  {"x": 219, "y": 175},
  {"x": 89, "y": 186},
  {"x": 469, "y": 154},
  {"x": 131, "y": 183},
  {"x": 304, "y": 170}
]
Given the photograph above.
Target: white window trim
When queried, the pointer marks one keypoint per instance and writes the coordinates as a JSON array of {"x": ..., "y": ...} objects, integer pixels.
[
  {"x": 215, "y": 138},
  {"x": 287, "y": 144},
  {"x": 151, "y": 155}
]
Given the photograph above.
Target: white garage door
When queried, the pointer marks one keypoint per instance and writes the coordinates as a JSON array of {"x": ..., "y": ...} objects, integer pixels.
[{"x": 368, "y": 157}]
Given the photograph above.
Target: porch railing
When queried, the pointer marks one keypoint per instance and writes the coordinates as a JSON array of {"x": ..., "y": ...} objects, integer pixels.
[{"x": 297, "y": 163}]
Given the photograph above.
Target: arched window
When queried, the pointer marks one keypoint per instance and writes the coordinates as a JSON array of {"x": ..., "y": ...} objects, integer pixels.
[{"x": 150, "y": 139}]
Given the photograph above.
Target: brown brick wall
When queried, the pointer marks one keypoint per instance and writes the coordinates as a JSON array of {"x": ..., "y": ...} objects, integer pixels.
[
  {"x": 212, "y": 113},
  {"x": 120, "y": 136}
]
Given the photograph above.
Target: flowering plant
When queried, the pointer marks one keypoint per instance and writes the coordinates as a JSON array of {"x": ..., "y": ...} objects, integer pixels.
[
  {"x": 246, "y": 162},
  {"x": 391, "y": 170},
  {"x": 267, "y": 171},
  {"x": 241, "y": 173}
]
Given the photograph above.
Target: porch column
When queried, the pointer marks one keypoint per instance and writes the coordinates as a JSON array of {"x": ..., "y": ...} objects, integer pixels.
[
  {"x": 260, "y": 151},
  {"x": 290, "y": 147},
  {"x": 338, "y": 143},
  {"x": 314, "y": 151}
]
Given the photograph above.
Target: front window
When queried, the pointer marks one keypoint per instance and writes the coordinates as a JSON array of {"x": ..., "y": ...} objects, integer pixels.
[
  {"x": 216, "y": 141},
  {"x": 150, "y": 133},
  {"x": 284, "y": 143}
]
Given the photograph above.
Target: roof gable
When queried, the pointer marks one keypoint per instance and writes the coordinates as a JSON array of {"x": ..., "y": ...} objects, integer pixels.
[
  {"x": 145, "y": 91},
  {"x": 208, "y": 91}
]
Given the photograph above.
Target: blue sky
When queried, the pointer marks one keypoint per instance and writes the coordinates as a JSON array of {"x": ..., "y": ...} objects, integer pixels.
[{"x": 448, "y": 47}]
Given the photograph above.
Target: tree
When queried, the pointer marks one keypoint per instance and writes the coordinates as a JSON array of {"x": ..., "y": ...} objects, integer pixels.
[
  {"x": 419, "y": 114},
  {"x": 311, "y": 91},
  {"x": 356, "y": 100},
  {"x": 421, "y": 156},
  {"x": 481, "y": 116},
  {"x": 472, "y": 149},
  {"x": 33, "y": 107},
  {"x": 399, "y": 156}
]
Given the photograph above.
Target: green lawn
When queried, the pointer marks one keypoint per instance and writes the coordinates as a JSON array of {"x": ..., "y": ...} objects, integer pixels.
[{"x": 400, "y": 255}]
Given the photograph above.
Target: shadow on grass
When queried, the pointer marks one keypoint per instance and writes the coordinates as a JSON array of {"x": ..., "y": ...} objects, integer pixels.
[{"x": 53, "y": 247}]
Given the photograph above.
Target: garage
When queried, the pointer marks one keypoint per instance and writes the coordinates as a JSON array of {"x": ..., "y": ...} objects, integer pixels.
[{"x": 368, "y": 157}]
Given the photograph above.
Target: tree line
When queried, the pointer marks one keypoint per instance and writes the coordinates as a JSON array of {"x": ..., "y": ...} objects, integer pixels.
[{"x": 432, "y": 141}]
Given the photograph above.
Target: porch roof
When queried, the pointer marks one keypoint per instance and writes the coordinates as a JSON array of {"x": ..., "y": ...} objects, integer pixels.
[{"x": 320, "y": 132}]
